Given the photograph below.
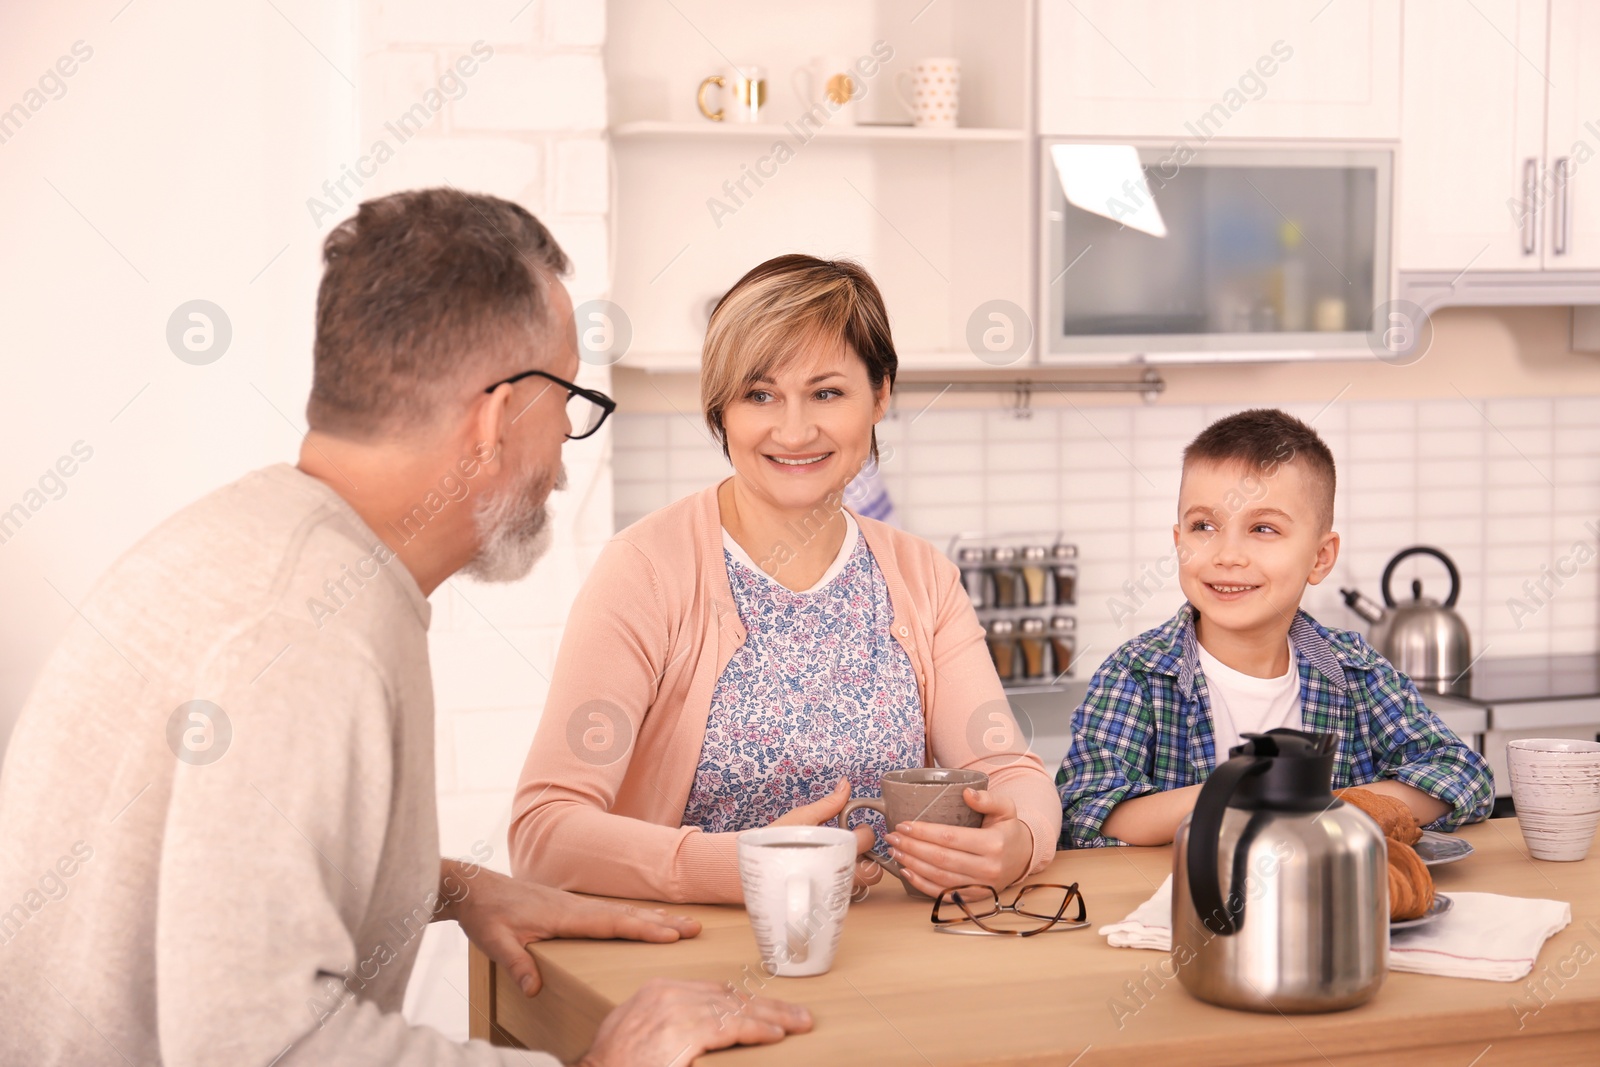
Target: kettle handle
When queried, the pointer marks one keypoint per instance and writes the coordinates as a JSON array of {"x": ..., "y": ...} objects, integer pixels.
[
  {"x": 1423, "y": 550},
  {"x": 1205, "y": 829}
]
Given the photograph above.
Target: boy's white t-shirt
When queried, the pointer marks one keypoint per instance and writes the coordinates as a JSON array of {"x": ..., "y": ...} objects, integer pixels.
[{"x": 1241, "y": 703}]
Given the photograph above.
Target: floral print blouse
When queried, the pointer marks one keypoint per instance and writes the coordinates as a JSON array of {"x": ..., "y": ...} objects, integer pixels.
[{"x": 819, "y": 690}]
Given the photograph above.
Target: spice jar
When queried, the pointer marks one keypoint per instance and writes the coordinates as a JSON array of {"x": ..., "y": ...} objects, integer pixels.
[
  {"x": 1064, "y": 574},
  {"x": 1063, "y": 635},
  {"x": 1006, "y": 577},
  {"x": 973, "y": 576},
  {"x": 1032, "y": 646},
  {"x": 1003, "y": 648},
  {"x": 1034, "y": 575}
]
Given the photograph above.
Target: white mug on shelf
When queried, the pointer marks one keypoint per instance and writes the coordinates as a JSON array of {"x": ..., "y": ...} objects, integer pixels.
[
  {"x": 932, "y": 90},
  {"x": 744, "y": 94},
  {"x": 796, "y": 882},
  {"x": 828, "y": 88}
]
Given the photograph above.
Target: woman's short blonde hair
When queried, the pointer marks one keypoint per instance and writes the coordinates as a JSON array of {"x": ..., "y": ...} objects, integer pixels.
[{"x": 779, "y": 310}]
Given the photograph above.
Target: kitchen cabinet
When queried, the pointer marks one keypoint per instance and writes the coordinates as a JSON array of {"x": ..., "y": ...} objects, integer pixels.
[
  {"x": 1572, "y": 137},
  {"x": 940, "y": 217},
  {"x": 1500, "y": 123},
  {"x": 1228, "y": 68}
]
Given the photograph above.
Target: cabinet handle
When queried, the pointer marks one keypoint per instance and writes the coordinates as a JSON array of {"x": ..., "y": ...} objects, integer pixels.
[
  {"x": 1530, "y": 189},
  {"x": 1561, "y": 224}
]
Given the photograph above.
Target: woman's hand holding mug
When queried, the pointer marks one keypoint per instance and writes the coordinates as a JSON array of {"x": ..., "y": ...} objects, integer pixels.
[
  {"x": 935, "y": 856},
  {"x": 824, "y": 811}
]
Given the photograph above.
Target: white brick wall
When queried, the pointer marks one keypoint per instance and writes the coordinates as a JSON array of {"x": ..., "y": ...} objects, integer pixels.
[
  {"x": 526, "y": 124},
  {"x": 1503, "y": 486}
]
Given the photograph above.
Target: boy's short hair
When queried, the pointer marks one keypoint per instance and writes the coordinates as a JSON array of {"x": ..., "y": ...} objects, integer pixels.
[{"x": 1263, "y": 438}]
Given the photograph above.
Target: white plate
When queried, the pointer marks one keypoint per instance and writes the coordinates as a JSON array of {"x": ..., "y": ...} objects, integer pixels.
[
  {"x": 1441, "y": 905},
  {"x": 1436, "y": 848}
]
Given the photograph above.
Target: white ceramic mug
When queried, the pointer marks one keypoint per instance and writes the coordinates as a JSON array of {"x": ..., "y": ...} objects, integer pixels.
[
  {"x": 1555, "y": 784},
  {"x": 743, "y": 91},
  {"x": 796, "y": 883},
  {"x": 932, "y": 90},
  {"x": 828, "y": 88}
]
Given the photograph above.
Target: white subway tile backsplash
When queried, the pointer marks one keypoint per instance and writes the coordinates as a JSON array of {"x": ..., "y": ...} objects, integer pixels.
[
  {"x": 1508, "y": 412},
  {"x": 689, "y": 431},
  {"x": 932, "y": 458},
  {"x": 1577, "y": 411},
  {"x": 1464, "y": 443},
  {"x": 1425, "y": 472},
  {"x": 1518, "y": 529},
  {"x": 1570, "y": 470},
  {"x": 1384, "y": 505},
  {"x": 1385, "y": 445},
  {"x": 1513, "y": 472},
  {"x": 1530, "y": 442},
  {"x": 1576, "y": 441},
  {"x": 1382, "y": 417},
  {"x": 1115, "y": 423},
  {"x": 1451, "y": 473},
  {"x": 635, "y": 433},
  {"x": 1040, "y": 424},
  {"x": 637, "y": 499},
  {"x": 1519, "y": 500},
  {"x": 1039, "y": 456},
  {"x": 1018, "y": 519},
  {"x": 947, "y": 489},
  {"x": 1447, "y": 415},
  {"x": 1374, "y": 476}
]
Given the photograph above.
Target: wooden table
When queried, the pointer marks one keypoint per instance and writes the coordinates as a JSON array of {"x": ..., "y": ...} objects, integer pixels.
[{"x": 899, "y": 993}]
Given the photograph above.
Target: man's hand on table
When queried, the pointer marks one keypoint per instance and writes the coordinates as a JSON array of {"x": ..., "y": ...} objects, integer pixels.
[
  {"x": 503, "y": 915},
  {"x": 936, "y": 857},
  {"x": 670, "y": 1023}
]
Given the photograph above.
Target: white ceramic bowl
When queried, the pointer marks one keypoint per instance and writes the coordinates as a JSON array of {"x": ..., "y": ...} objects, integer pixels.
[{"x": 1555, "y": 784}]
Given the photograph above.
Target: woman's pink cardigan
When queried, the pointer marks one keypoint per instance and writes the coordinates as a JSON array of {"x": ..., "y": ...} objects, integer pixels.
[{"x": 602, "y": 794}]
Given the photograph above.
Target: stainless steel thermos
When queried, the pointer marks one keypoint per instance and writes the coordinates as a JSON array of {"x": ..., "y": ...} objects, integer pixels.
[{"x": 1280, "y": 892}]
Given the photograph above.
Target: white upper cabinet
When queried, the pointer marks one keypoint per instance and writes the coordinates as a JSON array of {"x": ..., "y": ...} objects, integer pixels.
[
  {"x": 1501, "y": 129},
  {"x": 1230, "y": 68},
  {"x": 1472, "y": 132},
  {"x": 1572, "y": 139}
]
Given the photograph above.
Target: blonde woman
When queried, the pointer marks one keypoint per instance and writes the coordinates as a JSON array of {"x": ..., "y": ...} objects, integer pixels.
[{"x": 756, "y": 653}]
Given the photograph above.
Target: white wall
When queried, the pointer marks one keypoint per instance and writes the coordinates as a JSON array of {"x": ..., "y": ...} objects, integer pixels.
[
  {"x": 174, "y": 166},
  {"x": 180, "y": 162}
]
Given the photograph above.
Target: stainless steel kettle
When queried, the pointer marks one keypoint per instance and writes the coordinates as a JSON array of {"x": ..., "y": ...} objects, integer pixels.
[
  {"x": 1280, "y": 892},
  {"x": 1426, "y": 640}
]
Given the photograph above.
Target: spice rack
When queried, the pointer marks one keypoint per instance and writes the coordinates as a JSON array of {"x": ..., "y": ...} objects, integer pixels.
[{"x": 1024, "y": 588}]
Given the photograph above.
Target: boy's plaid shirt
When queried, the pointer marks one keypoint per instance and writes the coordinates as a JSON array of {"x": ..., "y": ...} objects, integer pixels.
[{"x": 1146, "y": 727}]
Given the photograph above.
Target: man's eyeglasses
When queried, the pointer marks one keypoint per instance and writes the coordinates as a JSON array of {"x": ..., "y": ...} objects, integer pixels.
[
  {"x": 977, "y": 909},
  {"x": 586, "y": 408}
]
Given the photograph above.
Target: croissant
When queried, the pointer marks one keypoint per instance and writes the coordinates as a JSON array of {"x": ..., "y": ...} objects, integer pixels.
[
  {"x": 1391, "y": 815},
  {"x": 1410, "y": 884}
]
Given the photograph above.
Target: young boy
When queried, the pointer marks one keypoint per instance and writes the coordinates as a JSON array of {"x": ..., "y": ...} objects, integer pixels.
[{"x": 1255, "y": 517}]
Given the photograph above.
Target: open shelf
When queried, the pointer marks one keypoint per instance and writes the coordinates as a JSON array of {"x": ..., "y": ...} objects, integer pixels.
[{"x": 762, "y": 131}]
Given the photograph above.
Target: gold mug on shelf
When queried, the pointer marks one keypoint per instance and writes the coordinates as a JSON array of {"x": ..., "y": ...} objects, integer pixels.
[{"x": 744, "y": 90}]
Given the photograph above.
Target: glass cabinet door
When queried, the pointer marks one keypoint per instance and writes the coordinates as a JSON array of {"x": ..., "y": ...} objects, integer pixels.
[{"x": 1253, "y": 253}]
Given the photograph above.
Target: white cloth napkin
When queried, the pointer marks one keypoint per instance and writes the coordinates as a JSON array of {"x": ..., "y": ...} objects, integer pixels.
[{"x": 1485, "y": 935}]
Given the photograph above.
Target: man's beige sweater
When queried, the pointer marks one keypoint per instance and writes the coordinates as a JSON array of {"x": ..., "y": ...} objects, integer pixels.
[{"x": 186, "y": 885}]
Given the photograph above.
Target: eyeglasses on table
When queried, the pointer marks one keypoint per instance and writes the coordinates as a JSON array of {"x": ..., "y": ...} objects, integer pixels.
[{"x": 1033, "y": 909}]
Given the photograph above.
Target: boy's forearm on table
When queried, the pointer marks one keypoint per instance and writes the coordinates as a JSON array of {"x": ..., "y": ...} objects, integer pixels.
[
  {"x": 1151, "y": 819},
  {"x": 1426, "y": 807}
]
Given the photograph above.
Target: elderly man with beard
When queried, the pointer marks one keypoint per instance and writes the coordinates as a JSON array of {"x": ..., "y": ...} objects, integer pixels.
[{"x": 218, "y": 835}]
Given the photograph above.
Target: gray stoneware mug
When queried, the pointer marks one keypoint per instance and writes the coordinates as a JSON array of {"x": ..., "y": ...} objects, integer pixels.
[{"x": 920, "y": 794}]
